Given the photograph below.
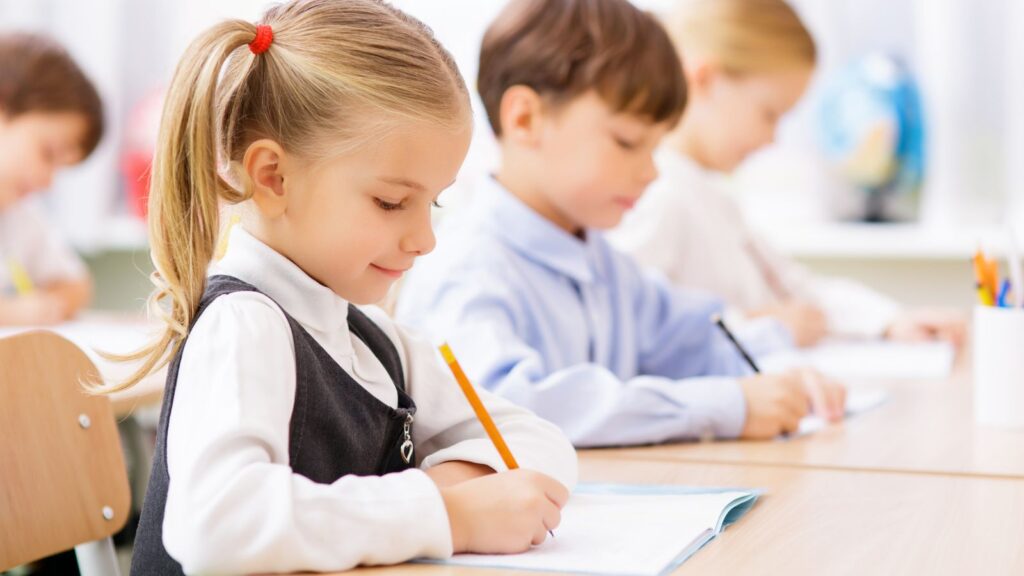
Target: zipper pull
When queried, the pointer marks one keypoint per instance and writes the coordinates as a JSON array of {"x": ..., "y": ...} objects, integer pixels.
[{"x": 407, "y": 448}]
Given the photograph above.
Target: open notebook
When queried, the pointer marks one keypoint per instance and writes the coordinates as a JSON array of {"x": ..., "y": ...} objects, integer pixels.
[
  {"x": 869, "y": 359},
  {"x": 617, "y": 529}
]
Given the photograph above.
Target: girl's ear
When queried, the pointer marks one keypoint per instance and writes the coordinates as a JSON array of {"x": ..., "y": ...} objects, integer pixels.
[
  {"x": 263, "y": 168},
  {"x": 521, "y": 112},
  {"x": 701, "y": 74}
]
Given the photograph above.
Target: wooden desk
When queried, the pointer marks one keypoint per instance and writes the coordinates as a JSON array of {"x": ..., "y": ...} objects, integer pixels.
[
  {"x": 924, "y": 427},
  {"x": 834, "y": 522},
  {"x": 96, "y": 331}
]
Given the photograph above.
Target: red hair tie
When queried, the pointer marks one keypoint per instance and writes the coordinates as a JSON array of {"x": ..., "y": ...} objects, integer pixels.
[{"x": 264, "y": 36}]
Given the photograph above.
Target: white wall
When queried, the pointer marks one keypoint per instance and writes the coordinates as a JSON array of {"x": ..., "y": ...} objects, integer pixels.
[
  {"x": 129, "y": 49},
  {"x": 964, "y": 52}
]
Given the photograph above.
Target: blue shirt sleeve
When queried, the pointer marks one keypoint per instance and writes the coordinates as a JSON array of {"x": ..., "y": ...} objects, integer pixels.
[
  {"x": 675, "y": 334},
  {"x": 592, "y": 405}
]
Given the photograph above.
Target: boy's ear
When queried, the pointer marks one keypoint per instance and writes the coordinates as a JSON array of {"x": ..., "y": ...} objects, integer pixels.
[
  {"x": 521, "y": 112},
  {"x": 263, "y": 166}
]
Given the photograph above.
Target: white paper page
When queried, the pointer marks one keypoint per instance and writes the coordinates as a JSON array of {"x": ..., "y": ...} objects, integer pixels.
[
  {"x": 870, "y": 360},
  {"x": 858, "y": 400},
  {"x": 618, "y": 534}
]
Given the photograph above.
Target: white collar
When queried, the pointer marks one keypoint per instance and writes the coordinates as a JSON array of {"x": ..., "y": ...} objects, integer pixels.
[
  {"x": 316, "y": 307},
  {"x": 675, "y": 164}
]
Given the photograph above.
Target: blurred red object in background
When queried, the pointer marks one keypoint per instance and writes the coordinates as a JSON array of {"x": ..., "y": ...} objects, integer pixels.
[{"x": 137, "y": 154}]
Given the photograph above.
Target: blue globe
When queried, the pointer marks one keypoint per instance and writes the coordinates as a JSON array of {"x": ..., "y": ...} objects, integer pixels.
[{"x": 872, "y": 128}]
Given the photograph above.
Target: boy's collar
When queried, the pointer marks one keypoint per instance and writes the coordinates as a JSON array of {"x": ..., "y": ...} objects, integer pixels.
[{"x": 534, "y": 236}]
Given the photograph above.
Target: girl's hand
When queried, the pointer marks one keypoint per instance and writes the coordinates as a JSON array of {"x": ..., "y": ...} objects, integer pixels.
[
  {"x": 503, "y": 513},
  {"x": 805, "y": 321},
  {"x": 929, "y": 324},
  {"x": 38, "y": 308}
]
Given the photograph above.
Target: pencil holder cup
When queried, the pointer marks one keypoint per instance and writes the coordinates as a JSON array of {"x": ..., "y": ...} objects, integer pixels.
[{"x": 999, "y": 366}]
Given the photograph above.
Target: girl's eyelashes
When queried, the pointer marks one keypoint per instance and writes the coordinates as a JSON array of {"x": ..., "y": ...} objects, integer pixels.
[
  {"x": 388, "y": 206},
  {"x": 391, "y": 206}
]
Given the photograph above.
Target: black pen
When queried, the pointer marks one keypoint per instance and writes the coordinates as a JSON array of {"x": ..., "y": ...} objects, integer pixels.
[{"x": 717, "y": 319}]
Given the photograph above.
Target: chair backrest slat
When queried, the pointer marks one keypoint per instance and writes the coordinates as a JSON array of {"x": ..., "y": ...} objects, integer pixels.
[{"x": 62, "y": 474}]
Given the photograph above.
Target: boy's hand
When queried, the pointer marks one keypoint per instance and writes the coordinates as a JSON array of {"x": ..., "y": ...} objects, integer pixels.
[
  {"x": 828, "y": 397},
  {"x": 929, "y": 324},
  {"x": 503, "y": 513},
  {"x": 805, "y": 321},
  {"x": 775, "y": 404}
]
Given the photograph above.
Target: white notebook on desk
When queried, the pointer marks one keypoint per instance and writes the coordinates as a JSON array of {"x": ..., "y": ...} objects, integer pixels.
[
  {"x": 637, "y": 530},
  {"x": 858, "y": 401},
  {"x": 869, "y": 359}
]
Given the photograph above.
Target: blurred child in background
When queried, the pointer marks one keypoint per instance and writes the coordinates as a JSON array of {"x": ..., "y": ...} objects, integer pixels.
[
  {"x": 51, "y": 117},
  {"x": 747, "y": 62}
]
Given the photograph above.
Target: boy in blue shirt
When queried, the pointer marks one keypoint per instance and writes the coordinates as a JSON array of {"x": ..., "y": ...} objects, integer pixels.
[{"x": 534, "y": 302}]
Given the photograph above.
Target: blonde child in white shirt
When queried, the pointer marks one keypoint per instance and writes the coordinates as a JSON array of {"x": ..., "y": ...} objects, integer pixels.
[
  {"x": 51, "y": 117},
  {"x": 747, "y": 62},
  {"x": 300, "y": 432}
]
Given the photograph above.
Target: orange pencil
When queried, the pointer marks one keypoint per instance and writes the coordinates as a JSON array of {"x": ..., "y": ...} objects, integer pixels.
[
  {"x": 983, "y": 274},
  {"x": 993, "y": 277},
  {"x": 481, "y": 413},
  {"x": 478, "y": 408}
]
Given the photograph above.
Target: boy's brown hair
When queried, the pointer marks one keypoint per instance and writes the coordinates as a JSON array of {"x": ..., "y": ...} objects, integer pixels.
[
  {"x": 38, "y": 75},
  {"x": 565, "y": 48}
]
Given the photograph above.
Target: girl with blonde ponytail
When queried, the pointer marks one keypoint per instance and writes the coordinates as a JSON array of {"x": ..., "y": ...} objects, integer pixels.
[
  {"x": 300, "y": 431},
  {"x": 747, "y": 63}
]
